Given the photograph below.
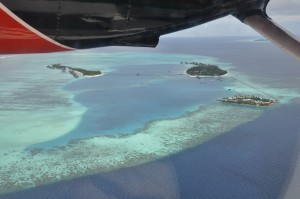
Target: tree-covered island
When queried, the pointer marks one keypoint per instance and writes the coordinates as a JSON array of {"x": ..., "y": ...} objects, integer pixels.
[
  {"x": 249, "y": 100},
  {"x": 76, "y": 72},
  {"x": 200, "y": 69}
]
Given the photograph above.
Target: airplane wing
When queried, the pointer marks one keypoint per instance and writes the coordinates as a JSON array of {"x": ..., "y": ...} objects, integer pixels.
[{"x": 55, "y": 25}]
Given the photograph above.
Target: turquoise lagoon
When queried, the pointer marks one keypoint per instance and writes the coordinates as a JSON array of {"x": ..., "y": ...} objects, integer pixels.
[{"x": 144, "y": 107}]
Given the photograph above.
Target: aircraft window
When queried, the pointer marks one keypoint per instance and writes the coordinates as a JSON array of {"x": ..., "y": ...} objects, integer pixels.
[{"x": 211, "y": 112}]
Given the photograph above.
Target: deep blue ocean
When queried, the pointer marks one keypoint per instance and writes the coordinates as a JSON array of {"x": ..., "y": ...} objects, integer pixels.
[{"x": 253, "y": 160}]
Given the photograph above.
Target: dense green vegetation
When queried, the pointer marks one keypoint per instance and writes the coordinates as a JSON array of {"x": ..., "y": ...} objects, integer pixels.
[
  {"x": 249, "y": 100},
  {"x": 204, "y": 69},
  {"x": 87, "y": 72},
  {"x": 58, "y": 66},
  {"x": 83, "y": 71}
]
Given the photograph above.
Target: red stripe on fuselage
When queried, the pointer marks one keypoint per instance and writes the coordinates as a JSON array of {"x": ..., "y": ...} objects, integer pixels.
[{"x": 18, "y": 37}]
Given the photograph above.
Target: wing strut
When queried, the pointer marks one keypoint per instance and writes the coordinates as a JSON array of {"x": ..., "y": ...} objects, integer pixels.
[{"x": 275, "y": 33}]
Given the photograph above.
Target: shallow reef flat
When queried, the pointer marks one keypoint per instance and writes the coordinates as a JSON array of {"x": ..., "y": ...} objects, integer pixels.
[{"x": 25, "y": 169}]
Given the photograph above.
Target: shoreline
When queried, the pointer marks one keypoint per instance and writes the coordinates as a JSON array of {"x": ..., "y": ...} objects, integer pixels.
[
  {"x": 249, "y": 100},
  {"x": 75, "y": 72},
  {"x": 89, "y": 76}
]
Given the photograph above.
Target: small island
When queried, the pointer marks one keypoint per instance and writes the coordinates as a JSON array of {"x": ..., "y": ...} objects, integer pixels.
[
  {"x": 260, "y": 40},
  {"x": 76, "y": 72},
  {"x": 200, "y": 69},
  {"x": 249, "y": 100}
]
